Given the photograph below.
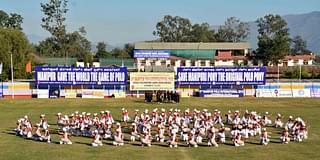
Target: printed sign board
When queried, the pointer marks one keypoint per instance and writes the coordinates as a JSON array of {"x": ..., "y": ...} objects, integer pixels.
[
  {"x": 222, "y": 93},
  {"x": 151, "y": 81},
  {"x": 81, "y": 76},
  {"x": 221, "y": 76},
  {"x": 92, "y": 93},
  {"x": 43, "y": 93},
  {"x": 151, "y": 53},
  {"x": 70, "y": 93}
]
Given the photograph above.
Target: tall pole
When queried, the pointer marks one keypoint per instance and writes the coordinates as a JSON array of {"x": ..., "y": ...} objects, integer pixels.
[
  {"x": 278, "y": 73},
  {"x": 12, "y": 84},
  {"x": 300, "y": 72},
  {"x": 1, "y": 65}
]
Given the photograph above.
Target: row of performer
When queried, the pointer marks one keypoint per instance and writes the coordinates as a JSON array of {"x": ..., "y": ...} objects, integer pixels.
[{"x": 191, "y": 127}]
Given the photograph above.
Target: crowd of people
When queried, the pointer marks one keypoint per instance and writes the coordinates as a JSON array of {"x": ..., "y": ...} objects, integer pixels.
[
  {"x": 163, "y": 96},
  {"x": 189, "y": 127}
]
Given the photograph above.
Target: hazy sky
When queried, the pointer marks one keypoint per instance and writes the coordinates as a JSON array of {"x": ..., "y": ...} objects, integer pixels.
[{"x": 121, "y": 21}]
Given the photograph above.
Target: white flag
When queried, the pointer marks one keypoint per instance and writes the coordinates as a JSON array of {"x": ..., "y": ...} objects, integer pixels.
[{"x": 0, "y": 68}]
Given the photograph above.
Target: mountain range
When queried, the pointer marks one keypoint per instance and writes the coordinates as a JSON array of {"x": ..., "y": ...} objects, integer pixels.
[{"x": 306, "y": 25}]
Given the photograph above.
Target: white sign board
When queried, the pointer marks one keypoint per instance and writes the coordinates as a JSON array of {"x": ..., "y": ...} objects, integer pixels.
[
  {"x": 43, "y": 93},
  {"x": 301, "y": 93}
]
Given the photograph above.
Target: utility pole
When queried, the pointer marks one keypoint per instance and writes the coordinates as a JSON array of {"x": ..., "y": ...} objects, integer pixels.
[
  {"x": 300, "y": 72},
  {"x": 278, "y": 73},
  {"x": 12, "y": 84}
]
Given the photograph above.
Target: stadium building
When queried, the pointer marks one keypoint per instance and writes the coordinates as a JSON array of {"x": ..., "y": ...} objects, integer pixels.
[{"x": 154, "y": 55}]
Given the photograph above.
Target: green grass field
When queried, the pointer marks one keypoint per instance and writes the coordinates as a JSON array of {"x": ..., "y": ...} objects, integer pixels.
[{"x": 13, "y": 147}]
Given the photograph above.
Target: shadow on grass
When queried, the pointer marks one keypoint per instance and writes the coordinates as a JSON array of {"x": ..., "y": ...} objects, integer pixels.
[
  {"x": 255, "y": 143},
  {"x": 88, "y": 144},
  {"x": 273, "y": 141},
  {"x": 109, "y": 143},
  {"x": 135, "y": 144},
  {"x": 10, "y": 132},
  {"x": 203, "y": 145},
  {"x": 142, "y": 101},
  {"x": 228, "y": 144},
  {"x": 161, "y": 145}
]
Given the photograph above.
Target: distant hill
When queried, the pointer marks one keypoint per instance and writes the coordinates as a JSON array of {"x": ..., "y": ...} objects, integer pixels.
[
  {"x": 306, "y": 25},
  {"x": 33, "y": 38}
]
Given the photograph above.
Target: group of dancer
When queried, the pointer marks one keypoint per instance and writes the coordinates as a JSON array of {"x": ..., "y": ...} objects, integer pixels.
[
  {"x": 190, "y": 127},
  {"x": 25, "y": 129}
]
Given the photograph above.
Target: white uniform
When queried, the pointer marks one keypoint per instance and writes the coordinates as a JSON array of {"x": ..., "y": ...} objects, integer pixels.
[
  {"x": 118, "y": 137},
  {"x": 192, "y": 139},
  {"x": 65, "y": 139},
  {"x": 134, "y": 132},
  {"x": 285, "y": 139},
  {"x": 173, "y": 138},
  {"x": 264, "y": 139},
  {"x": 97, "y": 140},
  {"x": 212, "y": 137},
  {"x": 146, "y": 140}
]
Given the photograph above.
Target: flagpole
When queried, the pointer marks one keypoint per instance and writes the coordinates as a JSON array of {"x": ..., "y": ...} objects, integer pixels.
[
  {"x": 12, "y": 84},
  {"x": 278, "y": 73},
  {"x": 1, "y": 65}
]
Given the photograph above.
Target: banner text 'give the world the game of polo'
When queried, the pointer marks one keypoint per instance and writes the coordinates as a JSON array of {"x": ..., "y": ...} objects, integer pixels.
[{"x": 81, "y": 76}]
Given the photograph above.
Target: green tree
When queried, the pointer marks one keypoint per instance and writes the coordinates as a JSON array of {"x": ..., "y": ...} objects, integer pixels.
[
  {"x": 173, "y": 29},
  {"x": 273, "y": 39},
  {"x": 13, "y": 41},
  {"x": 233, "y": 30},
  {"x": 62, "y": 43},
  {"x": 3, "y": 19},
  {"x": 53, "y": 21},
  {"x": 76, "y": 44},
  {"x": 102, "y": 50},
  {"x": 120, "y": 53},
  {"x": 296, "y": 73},
  {"x": 202, "y": 33},
  {"x": 299, "y": 46},
  {"x": 47, "y": 48},
  {"x": 129, "y": 48},
  {"x": 13, "y": 20}
]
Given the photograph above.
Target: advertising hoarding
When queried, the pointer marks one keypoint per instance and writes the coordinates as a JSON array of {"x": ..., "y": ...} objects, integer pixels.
[
  {"x": 151, "y": 53},
  {"x": 81, "y": 76},
  {"x": 221, "y": 93},
  {"x": 147, "y": 81},
  {"x": 221, "y": 76}
]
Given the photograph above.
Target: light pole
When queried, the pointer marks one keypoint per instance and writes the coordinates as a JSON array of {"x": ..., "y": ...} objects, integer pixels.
[
  {"x": 12, "y": 84},
  {"x": 278, "y": 68},
  {"x": 278, "y": 73},
  {"x": 300, "y": 72}
]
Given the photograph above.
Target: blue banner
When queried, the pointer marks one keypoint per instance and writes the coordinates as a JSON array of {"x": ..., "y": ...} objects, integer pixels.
[
  {"x": 1, "y": 90},
  {"x": 151, "y": 54},
  {"x": 221, "y": 76},
  {"x": 221, "y": 93},
  {"x": 81, "y": 76}
]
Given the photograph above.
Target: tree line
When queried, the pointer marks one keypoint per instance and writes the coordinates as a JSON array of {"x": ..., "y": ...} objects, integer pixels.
[
  {"x": 274, "y": 41},
  {"x": 179, "y": 29}
]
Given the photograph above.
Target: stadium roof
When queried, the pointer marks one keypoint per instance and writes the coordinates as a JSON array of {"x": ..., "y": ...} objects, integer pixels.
[
  {"x": 103, "y": 61},
  {"x": 197, "y": 46},
  {"x": 59, "y": 61}
]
